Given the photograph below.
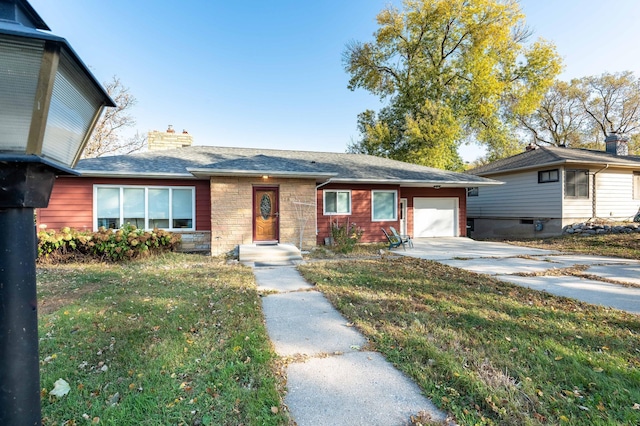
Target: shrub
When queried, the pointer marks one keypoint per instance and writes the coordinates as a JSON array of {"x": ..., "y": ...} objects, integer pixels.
[
  {"x": 345, "y": 236},
  {"x": 127, "y": 242}
]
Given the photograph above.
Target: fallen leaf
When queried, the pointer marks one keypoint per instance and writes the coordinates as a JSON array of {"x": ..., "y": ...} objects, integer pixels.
[
  {"x": 598, "y": 370},
  {"x": 60, "y": 388},
  {"x": 274, "y": 410},
  {"x": 636, "y": 406}
]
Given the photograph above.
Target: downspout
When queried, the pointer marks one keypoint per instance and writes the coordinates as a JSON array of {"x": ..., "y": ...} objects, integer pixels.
[
  {"x": 593, "y": 184},
  {"x": 316, "y": 201}
]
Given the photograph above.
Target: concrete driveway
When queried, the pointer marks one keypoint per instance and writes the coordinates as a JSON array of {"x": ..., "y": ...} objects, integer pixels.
[{"x": 504, "y": 261}]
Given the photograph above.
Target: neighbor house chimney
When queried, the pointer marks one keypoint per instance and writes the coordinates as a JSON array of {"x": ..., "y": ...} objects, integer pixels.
[
  {"x": 617, "y": 144},
  {"x": 168, "y": 139}
]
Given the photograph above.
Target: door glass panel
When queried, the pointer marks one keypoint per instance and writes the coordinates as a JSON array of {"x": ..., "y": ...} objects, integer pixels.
[{"x": 265, "y": 206}]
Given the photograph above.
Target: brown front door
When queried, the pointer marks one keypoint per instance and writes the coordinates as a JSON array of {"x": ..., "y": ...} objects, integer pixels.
[{"x": 265, "y": 214}]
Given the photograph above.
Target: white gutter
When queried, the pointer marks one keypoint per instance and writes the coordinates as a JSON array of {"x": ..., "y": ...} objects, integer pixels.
[
  {"x": 425, "y": 183},
  {"x": 155, "y": 175}
]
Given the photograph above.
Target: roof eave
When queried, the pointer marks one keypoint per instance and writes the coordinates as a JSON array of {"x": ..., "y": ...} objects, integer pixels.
[
  {"x": 419, "y": 183},
  {"x": 135, "y": 175},
  {"x": 559, "y": 163}
]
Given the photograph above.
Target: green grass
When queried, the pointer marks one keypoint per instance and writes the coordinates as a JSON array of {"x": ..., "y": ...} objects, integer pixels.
[
  {"x": 171, "y": 340},
  {"x": 489, "y": 352}
]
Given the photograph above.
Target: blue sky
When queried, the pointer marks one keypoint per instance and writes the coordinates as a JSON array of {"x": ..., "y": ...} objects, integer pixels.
[{"x": 268, "y": 74}]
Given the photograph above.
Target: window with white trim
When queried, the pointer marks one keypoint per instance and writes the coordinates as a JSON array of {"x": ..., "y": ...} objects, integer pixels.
[
  {"x": 636, "y": 185},
  {"x": 337, "y": 201},
  {"x": 170, "y": 208},
  {"x": 384, "y": 205}
]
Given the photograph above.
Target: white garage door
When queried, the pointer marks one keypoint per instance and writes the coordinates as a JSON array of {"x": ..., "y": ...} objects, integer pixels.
[{"x": 435, "y": 217}]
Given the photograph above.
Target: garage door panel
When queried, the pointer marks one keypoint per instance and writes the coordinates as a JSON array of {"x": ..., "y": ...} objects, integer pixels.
[{"x": 435, "y": 217}]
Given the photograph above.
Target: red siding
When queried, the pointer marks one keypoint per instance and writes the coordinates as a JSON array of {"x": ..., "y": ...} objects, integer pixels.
[
  {"x": 361, "y": 209},
  {"x": 71, "y": 202}
]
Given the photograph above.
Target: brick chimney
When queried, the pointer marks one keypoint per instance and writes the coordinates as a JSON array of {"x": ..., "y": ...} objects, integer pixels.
[
  {"x": 168, "y": 139},
  {"x": 617, "y": 144}
]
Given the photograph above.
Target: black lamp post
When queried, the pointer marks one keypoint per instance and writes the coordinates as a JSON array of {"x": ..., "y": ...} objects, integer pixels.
[{"x": 49, "y": 104}]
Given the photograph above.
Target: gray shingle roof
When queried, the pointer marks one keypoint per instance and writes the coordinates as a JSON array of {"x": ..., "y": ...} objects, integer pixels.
[
  {"x": 204, "y": 161},
  {"x": 551, "y": 155}
]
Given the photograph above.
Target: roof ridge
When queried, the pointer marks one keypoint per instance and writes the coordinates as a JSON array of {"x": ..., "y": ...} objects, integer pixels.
[{"x": 550, "y": 151}]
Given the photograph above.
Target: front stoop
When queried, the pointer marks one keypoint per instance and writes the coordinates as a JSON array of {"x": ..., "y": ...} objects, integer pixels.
[{"x": 276, "y": 254}]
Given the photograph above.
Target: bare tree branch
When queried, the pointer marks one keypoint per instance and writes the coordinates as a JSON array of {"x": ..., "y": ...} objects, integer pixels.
[{"x": 106, "y": 138}]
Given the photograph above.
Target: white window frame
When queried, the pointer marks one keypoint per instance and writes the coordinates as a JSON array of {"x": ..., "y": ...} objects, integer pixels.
[
  {"x": 324, "y": 201},
  {"x": 395, "y": 207},
  {"x": 636, "y": 185},
  {"x": 146, "y": 204}
]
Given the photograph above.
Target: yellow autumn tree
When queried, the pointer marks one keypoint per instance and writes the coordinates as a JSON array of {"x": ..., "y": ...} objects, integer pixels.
[{"x": 448, "y": 71}]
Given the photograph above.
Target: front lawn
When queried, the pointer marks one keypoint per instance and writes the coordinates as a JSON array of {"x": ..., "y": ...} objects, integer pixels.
[
  {"x": 617, "y": 245},
  {"x": 171, "y": 340},
  {"x": 490, "y": 352}
]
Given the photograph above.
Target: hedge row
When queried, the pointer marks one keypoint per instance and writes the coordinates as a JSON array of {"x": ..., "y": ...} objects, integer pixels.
[{"x": 127, "y": 242}]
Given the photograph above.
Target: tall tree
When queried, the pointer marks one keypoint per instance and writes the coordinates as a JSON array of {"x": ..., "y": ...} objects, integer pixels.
[
  {"x": 107, "y": 138},
  {"x": 560, "y": 119},
  {"x": 581, "y": 113},
  {"x": 612, "y": 102},
  {"x": 448, "y": 70}
]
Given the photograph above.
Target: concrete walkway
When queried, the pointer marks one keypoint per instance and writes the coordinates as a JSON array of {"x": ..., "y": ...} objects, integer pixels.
[
  {"x": 332, "y": 379},
  {"x": 504, "y": 261}
]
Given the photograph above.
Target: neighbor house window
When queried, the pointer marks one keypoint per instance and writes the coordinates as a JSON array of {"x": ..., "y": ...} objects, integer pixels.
[
  {"x": 472, "y": 192},
  {"x": 636, "y": 185},
  {"x": 576, "y": 183},
  {"x": 169, "y": 208},
  {"x": 337, "y": 202},
  {"x": 545, "y": 176},
  {"x": 384, "y": 205}
]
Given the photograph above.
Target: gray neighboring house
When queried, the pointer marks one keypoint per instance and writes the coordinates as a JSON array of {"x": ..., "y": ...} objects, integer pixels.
[{"x": 548, "y": 188}]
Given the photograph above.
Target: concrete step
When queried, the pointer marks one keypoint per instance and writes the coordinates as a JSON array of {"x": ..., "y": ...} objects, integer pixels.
[{"x": 270, "y": 254}]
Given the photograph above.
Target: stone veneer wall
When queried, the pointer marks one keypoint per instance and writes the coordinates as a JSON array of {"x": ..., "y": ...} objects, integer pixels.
[
  {"x": 232, "y": 211},
  {"x": 195, "y": 241}
]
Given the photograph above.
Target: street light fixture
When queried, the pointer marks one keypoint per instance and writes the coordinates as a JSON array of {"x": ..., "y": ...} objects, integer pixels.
[{"x": 49, "y": 104}]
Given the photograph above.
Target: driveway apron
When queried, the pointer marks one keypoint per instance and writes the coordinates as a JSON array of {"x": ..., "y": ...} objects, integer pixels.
[
  {"x": 331, "y": 378},
  {"x": 608, "y": 281}
]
